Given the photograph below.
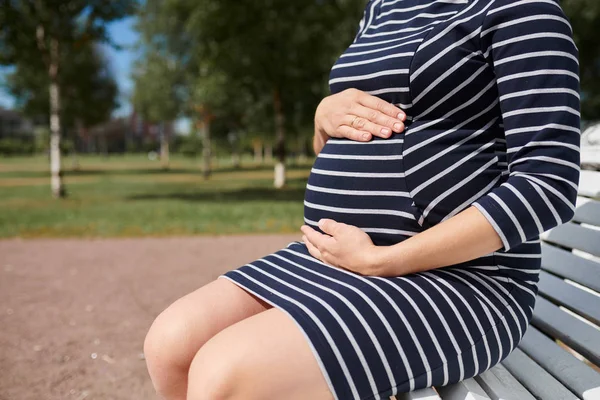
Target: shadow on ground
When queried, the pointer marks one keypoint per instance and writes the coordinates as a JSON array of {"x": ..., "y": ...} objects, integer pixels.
[
  {"x": 147, "y": 171},
  {"x": 230, "y": 196}
]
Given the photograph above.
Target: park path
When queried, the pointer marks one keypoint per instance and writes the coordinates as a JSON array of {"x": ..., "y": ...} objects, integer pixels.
[{"x": 74, "y": 313}]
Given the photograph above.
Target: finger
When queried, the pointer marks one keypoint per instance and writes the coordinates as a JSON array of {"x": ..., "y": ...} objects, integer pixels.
[
  {"x": 383, "y": 106},
  {"x": 319, "y": 240},
  {"x": 315, "y": 237},
  {"x": 363, "y": 124},
  {"x": 311, "y": 248},
  {"x": 354, "y": 134},
  {"x": 329, "y": 226},
  {"x": 379, "y": 118}
]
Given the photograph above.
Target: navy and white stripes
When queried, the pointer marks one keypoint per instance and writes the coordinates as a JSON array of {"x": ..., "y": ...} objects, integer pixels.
[
  {"x": 530, "y": 46},
  {"x": 491, "y": 91}
]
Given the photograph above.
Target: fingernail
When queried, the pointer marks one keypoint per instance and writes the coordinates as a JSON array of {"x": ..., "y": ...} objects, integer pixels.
[
  {"x": 398, "y": 126},
  {"x": 366, "y": 136},
  {"x": 401, "y": 116},
  {"x": 385, "y": 131}
]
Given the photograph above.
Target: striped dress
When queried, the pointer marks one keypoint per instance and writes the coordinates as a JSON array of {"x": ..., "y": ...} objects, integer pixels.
[{"x": 491, "y": 91}]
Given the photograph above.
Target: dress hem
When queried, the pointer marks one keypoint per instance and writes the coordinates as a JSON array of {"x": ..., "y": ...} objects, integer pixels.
[{"x": 306, "y": 336}]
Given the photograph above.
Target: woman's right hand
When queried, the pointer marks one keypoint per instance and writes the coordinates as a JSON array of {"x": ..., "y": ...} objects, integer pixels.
[{"x": 355, "y": 115}]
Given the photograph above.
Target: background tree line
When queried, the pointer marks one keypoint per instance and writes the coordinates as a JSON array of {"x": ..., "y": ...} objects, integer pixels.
[
  {"x": 246, "y": 73},
  {"x": 252, "y": 67},
  {"x": 58, "y": 70},
  {"x": 261, "y": 66}
]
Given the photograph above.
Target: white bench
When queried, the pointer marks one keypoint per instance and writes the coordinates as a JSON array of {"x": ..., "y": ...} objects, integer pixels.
[{"x": 559, "y": 356}]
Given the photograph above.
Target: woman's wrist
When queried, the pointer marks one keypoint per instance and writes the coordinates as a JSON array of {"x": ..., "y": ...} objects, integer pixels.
[
  {"x": 384, "y": 261},
  {"x": 320, "y": 138}
]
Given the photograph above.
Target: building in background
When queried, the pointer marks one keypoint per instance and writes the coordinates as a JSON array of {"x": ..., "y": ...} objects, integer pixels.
[
  {"x": 124, "y": 134},
  {"x": 144, "y": 135}
]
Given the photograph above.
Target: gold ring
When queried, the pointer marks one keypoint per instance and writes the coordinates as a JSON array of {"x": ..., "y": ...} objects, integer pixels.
[{"x": 354, "y": 120}]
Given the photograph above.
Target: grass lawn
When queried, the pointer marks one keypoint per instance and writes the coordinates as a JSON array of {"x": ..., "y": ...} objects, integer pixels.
[{"x": 132, "y": 196}]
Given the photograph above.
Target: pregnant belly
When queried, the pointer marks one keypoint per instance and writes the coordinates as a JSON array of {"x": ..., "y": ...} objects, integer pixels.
[{"x": 363, "y": 184}]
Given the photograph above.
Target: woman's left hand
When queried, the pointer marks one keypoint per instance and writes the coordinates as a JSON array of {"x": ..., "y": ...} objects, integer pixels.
[{"x": 344, "y": 246}]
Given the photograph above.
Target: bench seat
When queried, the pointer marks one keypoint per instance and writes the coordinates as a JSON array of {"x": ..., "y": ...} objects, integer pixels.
[{"x": 559, "y": 356}]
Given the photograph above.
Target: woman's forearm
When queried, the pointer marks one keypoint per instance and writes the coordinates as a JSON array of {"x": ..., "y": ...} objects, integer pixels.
[{"x": 465, "y": 236}]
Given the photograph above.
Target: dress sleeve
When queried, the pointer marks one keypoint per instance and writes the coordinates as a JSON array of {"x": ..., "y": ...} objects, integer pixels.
[{"x": 529, "y": 45}]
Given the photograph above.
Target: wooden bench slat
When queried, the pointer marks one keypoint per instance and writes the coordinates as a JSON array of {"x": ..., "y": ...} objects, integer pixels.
[
  {"x": 588, "y": 213},
  {"x": 421, "y": 394},
  {"x": 575, "y": 375},
  {"x": 500, "y": 384},
  {"x": 568, "y": 265},
  {"x": 583, "y": 303},
  {"x": 467, "y": 389},
  {"x": 589, "y": 183},
  {"x": 557, "y": 323},
  {"x": 576, "y": 237},
  {"x": 590, "y": 158},
  {"x": 535, "y": 379}
]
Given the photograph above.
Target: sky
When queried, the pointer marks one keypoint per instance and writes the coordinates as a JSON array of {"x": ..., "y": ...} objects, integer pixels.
[
  {"x": 121, "y": 62},
  {"x": 123, "y": 34}
]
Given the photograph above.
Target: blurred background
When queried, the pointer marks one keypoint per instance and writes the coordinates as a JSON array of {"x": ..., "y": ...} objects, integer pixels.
[{"x": 180, "y": 121}]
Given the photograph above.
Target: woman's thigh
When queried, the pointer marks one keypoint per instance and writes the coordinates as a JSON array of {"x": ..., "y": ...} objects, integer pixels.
[
  {"x": 181, "y": 329},
  {"x": 262, "y": 357}
]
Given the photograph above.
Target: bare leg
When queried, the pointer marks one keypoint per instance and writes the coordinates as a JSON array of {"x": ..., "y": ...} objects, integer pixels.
[
  {"x": 179, "y": 331},
  {"x": 264, "y": 357}
]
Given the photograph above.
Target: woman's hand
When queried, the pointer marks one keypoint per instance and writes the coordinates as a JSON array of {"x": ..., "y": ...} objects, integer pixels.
[
  {"x": 344, "y": 246},
  {"x": 356, "y": 115}
]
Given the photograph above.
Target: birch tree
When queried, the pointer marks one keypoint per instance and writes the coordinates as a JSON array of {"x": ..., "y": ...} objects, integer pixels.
[{"x": 40, "y": 34}]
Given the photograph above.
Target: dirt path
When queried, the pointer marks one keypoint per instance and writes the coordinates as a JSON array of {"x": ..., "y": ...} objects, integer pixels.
[{"x": 74, "y": 313}]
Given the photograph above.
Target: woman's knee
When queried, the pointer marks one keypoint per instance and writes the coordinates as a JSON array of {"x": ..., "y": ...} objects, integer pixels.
[
  {"x": 213, "y": 374},
  {"x": 179, "y": 331},
  {"x": 169, "y": 343}
]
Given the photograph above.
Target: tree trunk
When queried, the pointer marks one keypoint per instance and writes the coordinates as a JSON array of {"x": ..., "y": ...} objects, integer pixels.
[
  {"x": 302, "y": 155},
  {"x": 206, "y": 153},
  {"x": 279, "y": 181},
  {"x": 268, "y": 153},
  {"x": 164, "y": 147},
  {"x": 235, "y": 159},
  {"x": 56, "y": 183},
  {"x": 76, "y": 140},
  {"x": 104, "y": 143},
  {"x": 258, "y": 151},
  {"x": 75, "y": 160}
]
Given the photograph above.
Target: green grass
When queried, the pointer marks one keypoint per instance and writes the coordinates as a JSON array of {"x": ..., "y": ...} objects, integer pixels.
[{"x": 131, "y": 196}]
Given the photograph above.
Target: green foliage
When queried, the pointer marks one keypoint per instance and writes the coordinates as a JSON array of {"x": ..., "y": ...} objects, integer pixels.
[
  {"x": 234, "y": 55},
  {"x": 89, "y": 89},
  {"x": 30, "y": 32},
  {"x": 41, "y": 139},
  {"x": 42, "y": 36},
  {"x": 67, "y": 146},
  {"x": 156, "y": 93},
  {"x": 72, "y": 22},
  {"x": 236, "y": 52},
  {"x": 11, "y": 146},
  {"x": 188, "y": 146},
  {"x": 584, "y": 16},
  {"x": 30, "y": 144},
  {"x": 149, "y": 144}
]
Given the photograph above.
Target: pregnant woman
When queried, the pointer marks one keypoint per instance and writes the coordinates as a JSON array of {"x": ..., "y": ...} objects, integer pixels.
[{"x": 449, "y": 143}]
